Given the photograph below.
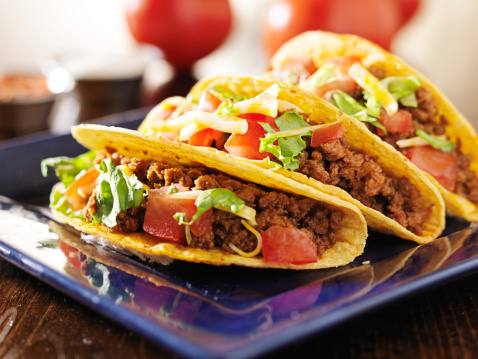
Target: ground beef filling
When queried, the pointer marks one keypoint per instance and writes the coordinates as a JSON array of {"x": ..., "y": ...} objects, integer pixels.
[
  {"x": 334, "y": 163},
  {"x": 319, "y": 223},
  {"x": 425, "y": 117}
]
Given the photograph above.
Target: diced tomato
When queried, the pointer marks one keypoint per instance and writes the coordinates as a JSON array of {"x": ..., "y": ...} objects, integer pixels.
[
  {"x": 441, "y": 165},
  {"x": 205, "y": 138},
  {"x": 171, "y": 136},
  {"x": 163, "y": 115},
  {"x": 220, "y": 139},
  {"x": 326, "y": 133},
  {"x": 304, "y": 65},
  {"x": 209, "y": 102},
  {"x": 160, "y": 210},
  {"x": 287, "y": 245},
  {"x": 260, "y": 118},
  {"x": 343, "y": 63},
  {"x": 399, "y": 122},
  {"x": 345, "y": 84},
  {"x": 80, "y": 190},
  {"x": 247, "y": 145},
  {"x": 202, "y": 138},
  {"x": 71, "y": 254}
]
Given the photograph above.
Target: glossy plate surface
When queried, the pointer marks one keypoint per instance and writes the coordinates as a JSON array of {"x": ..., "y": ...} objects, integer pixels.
[{"x": 202, "y": 311}]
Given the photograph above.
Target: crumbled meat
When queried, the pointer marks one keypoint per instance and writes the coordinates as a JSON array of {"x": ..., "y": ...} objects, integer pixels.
[
  {"x": 335, "y": 163},
  {"x": 319, "y": 223},
  {"x": 425, "y": 117}
]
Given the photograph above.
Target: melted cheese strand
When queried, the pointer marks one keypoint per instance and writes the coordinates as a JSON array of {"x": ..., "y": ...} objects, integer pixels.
[
  {"x": 325, "y": 74},
  {"x": 265, "y": 103},
  {"x": 185, "y": 194},
  {"x": 298, "y": 131},
  {"x": 286, "y": 106},
  {"x": 223, "y": 123},
  {"x": 417, "y": 141},
  {"x": 371, "y": 84},
  {"x": 246, "y": 212},
  {"x": 189, "y": 130},
  {"x": 256, "y": 251}
]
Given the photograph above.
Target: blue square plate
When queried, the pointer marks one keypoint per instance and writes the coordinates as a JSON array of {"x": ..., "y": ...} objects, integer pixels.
[{"x": 202, "y": 311}]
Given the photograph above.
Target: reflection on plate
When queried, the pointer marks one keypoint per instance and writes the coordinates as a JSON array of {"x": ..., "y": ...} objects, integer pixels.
[{"x": 202, "y": 312}]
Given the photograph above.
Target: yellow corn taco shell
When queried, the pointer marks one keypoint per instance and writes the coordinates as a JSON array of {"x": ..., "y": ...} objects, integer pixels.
[
  {"x": 350, "y": 238},
  {"x": 320, "y": 46},
  {"x": 358, "y": 137}
]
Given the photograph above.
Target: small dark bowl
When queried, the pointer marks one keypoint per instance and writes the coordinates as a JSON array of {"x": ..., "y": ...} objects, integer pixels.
[
  {"x": 19, "y": 118},
  {"x": 102, "y": 97},
  {"x": 25, "y": 103}
]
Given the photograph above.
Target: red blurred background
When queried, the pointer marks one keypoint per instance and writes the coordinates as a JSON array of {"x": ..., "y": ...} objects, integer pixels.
[{"x": 97, "y": 61}]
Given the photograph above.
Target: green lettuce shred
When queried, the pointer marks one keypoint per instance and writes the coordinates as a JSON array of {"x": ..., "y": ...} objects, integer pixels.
[
  {"x": 59, "y": 203},
  {"x": 220, "y": 198},
  {"x": 348, "y": 105},
  {"x": 115, "y": 193},
  {"x": 67, "y": 168},
  {"x": 439, "y": 144},
  {"x": 403, "y": 88},
  {"x": 287, "y": 148}
]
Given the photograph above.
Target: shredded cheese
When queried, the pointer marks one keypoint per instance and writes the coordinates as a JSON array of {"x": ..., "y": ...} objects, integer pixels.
[
  {"x": 185, "y": 194},
  {"x": 285, "y": 106},
  {"x": 265, "y": 103},
  {"x": 223, "y": 123},
  {"x": 258, "y": 248},
  {"x": 325, "y": 74},
  {"x": 371, "y": 84},
  {"x": 417, "y": 141},
  {"x": 298, "y": 131},
  {"x": 189, "y": 130}
]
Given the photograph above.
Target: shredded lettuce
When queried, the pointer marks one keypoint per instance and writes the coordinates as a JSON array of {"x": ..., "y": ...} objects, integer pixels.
[
  {"x": 403, "y": 88},
  {"x": 229, "y": 95},
  {"x": 265, "y": 103},
  {"x": 227, "y": 108},
  {"x": 59, "y": 203},
  {"x": 115, "y": 193},
  {"x": 437, "y": 143},
  {"x": 220, "y": 198},
  {"x": 348, "y": 105},
  {"x": 287, "y": 148},
  {"x": 275, "y": 165},
  {"x": 67, "y": 168},
  {"x": 325, "y": 74}
]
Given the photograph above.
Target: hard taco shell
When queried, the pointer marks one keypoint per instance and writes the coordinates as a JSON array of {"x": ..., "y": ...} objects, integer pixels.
[
  {"x": 320, "y": 46},
  {"x": 358, "y": 137},
  {"x": 351, "y": 237}
]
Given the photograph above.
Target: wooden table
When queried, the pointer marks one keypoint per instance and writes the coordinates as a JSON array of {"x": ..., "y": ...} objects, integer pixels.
[{"x": 40, "y": 322}]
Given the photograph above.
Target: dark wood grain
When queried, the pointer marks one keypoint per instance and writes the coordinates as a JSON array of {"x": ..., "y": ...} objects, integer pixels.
[
  {"x": 439, "y": 323},
  {"x": 50, "y": 325}
]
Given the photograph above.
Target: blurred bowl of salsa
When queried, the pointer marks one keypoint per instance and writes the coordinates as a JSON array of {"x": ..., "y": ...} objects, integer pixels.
[{"x": 25, "y": 103}]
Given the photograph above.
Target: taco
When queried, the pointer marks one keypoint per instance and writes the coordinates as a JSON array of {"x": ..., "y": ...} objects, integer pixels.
[
  {"x": 158, "y": 199},
  {"x": 396, "y": 103},
  {"x": 305, "y": 138}
]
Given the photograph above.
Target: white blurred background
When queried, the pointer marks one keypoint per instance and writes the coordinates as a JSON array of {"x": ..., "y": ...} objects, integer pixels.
[{"x": 440, "y": 40}]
